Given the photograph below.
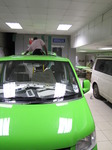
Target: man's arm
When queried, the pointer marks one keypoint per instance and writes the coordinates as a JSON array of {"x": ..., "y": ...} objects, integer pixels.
[{"x": 26, "y": 52}]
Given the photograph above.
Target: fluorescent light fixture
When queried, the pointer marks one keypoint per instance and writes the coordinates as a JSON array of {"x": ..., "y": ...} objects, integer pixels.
[
  {"x": 14, "y": 25},
  {"x": 64, "y": 27},
  {"x": 105, "y": 48}
]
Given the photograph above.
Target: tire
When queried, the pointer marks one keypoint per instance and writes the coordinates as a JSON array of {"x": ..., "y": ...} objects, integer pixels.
[{"x": 96, "y": 92}]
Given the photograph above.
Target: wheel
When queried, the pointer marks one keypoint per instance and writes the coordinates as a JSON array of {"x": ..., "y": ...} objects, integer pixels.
[{"x": 96, "y": 91}]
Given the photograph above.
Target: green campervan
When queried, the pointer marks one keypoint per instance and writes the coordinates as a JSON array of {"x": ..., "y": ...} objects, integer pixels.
[{"x": 42, "y": 105}]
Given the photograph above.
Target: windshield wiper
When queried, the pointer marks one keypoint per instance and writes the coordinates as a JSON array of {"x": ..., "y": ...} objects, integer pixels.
[
  {"x": 39, "y": 100},
  {"x": 71, "y": 96},
  {"x": 19, "y": 99}
]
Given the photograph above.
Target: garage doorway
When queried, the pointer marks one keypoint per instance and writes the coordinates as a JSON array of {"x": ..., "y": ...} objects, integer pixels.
[{"x": 57, "y": 50}]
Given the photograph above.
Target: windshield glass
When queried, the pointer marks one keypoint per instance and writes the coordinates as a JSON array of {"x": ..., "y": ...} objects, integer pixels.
[{"x": 41, "y": 81}]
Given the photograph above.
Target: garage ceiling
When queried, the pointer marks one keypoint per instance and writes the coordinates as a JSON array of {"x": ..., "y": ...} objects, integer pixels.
[
  {"x": 95, "y": 47},
  {"x": 44, "y": 16}
]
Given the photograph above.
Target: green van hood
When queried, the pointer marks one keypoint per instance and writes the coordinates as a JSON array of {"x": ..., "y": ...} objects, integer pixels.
[{"x": 44, "y": 126}]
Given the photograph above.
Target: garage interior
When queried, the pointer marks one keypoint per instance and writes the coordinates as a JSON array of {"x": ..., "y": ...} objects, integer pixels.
[{"x": 90, "y": 36}]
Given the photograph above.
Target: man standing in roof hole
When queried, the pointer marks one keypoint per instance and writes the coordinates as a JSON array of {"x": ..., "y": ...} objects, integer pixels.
[{"x": 36, "y": 47}]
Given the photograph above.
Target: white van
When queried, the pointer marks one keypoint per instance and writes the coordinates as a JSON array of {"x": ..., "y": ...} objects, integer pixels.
[{"x": 102, "y": 78}]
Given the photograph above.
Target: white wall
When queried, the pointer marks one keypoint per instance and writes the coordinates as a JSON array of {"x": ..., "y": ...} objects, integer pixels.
[
  {"x": 80, "y": 59},
  {"x": 98, "y": 30}
]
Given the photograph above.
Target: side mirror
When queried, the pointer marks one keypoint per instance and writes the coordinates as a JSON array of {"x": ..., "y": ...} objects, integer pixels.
[{"x": 86, "y": 86}]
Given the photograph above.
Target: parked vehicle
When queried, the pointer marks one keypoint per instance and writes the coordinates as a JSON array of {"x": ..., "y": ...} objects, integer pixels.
[
  {"x": 102, "y": 78},
  {"x": 42, "y": 105}
]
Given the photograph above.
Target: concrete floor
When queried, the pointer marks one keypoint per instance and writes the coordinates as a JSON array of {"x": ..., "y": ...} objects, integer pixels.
[{"x": 102, "y": 114}]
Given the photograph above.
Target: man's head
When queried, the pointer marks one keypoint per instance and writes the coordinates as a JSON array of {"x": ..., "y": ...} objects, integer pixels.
[
  {"x": 35, "y": 38},
  {"x": 91, "y": 60}
]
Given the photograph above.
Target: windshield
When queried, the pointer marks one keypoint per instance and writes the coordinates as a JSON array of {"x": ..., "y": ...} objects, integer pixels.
[{"x": 40, "y": 81}]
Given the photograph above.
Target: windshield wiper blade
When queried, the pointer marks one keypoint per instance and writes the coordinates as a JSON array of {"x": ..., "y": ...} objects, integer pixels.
[
  {"x": 35, "y": 102},
  {"x": 19, "y": 98},
  {"x": 65, "y": 97},
  {"x": 70, "y": 96},
  {"x": 26, "y": 100},
  {"x": 38, "y": 100}
]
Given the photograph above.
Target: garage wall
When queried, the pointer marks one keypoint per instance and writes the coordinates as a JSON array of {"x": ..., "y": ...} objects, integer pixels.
[
  {"x": 22, "y": 42},
  {"x": 7, "y": 44},
  {"x": 80, "y": 59},
  {"x": 98, "y": 30},
  {"x": 2, "y": 44}
]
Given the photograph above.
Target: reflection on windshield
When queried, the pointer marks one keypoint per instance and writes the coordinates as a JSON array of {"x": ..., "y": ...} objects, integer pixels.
[
  {"x": 60, "y": 90},
  {"x": 40, "y": 79},
  {"x": 65, "y": 125},
  {"x": 4, "y": 126},
  {"x": 9, "y": 89}
]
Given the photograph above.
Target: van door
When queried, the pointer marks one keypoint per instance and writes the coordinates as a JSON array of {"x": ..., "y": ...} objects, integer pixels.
[
  {"x": 57, "y": 50},
  {"x": 107, "y": 92},
  {"x": 103, "y": 77}
]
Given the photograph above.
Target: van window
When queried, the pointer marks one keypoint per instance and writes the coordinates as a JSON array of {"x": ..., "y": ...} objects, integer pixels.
[{"x": 104, "y": 66}]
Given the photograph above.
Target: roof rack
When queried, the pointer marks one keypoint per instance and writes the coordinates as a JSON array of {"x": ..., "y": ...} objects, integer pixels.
[{"x": 52, "y": 54}]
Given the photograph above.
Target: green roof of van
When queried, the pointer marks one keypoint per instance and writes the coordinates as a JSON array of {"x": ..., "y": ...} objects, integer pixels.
[{"x": 33, "y": 57}]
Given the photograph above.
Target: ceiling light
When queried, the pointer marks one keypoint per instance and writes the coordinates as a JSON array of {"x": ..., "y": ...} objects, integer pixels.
[
  {"x": 64, "y": 27},
  {"x": 14, "y": 25},
  {"x": 105, "y": 48}
]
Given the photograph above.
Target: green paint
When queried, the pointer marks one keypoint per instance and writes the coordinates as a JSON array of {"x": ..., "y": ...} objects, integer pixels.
[
  {"x": 42, "y": 37},
  {"x": 82, "y": 67},
  {"x": 45, "y": 126}
]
